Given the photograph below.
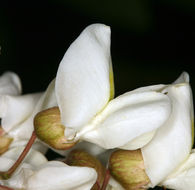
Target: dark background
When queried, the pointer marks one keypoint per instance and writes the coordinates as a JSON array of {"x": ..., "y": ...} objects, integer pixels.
[{"x": 152, "y": 41}]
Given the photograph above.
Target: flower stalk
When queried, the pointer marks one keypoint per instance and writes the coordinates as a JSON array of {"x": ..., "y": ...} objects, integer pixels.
[
  {"x": 2, "y": 187},
  {"x": 8, "y": 174},
  {"x": 106, "y": 180}
]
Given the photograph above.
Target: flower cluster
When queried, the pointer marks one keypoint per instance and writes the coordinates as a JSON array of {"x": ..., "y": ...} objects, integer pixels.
[{"x": 138, "y": 140}]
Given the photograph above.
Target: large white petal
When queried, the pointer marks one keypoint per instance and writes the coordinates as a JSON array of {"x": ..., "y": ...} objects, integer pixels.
[
  {"x": 83, "y": 78},
  {"x": 57, "y": 175},
  {"x": 10, "y": 84},
  {"x": 183, "y": 177},
  {"x": 127, "y": 117},
  {"x": 173, "y": 141}
]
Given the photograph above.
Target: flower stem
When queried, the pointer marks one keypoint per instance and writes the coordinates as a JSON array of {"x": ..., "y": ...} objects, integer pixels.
[
  {"x": 2, "y": 187},
  {"x": 106, "y": 180},
  {"x": 7, "y": 174},
  {"x": 98, "y": 185}
]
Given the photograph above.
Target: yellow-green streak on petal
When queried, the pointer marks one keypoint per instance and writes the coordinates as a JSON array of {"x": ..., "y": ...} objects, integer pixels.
[
  {"x": 111, "y": 77},
  {"x": 192, "y": 131}
]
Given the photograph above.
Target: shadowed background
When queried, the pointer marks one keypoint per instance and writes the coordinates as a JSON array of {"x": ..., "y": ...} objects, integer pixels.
[{"x": 152, "y": 41}]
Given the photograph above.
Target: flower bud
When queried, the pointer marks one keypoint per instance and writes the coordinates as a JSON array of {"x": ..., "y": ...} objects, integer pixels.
[
  {"x": 82, "y": 158},
  {"x": 48, "y": 128},
  {"x": 5, "y": 141},
  {"x": 127, "y": 167}
]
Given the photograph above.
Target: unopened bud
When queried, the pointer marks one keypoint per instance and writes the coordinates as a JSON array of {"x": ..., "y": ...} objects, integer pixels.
[
  {"x": 5, "y": 141},
  {"x": 127, "y": 167},
  {"x": 48, "y": 128},
  {"x": 82, "y": 158}
]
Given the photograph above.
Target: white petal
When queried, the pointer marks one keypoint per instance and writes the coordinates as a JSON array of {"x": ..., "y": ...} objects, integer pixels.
[
  {"x": 19, "y": 178},
  {"x": 183, "y": 78},
  {"x": 156, "y": 88},
  {"x": 183, "y": 177},
  {"x": 18, "y": 181},
  {"x": 83, "y": 78},
  {"x": 6, "y": 163},
  {"x": 10, "y": 84},
  {"x": 139, "y": 142},
  {"x": 16, "y": 109},
  {"x": 44, "y": 101},
  {"x": 57, "y": 175},
  {"x": 48, "y": 99},
  {"x": 114, "y": 185},
  {"x": 173, "y": 141},
  {"x": 37, "y": 145},
  {"x": 128, "y": 117},
  {"x": 34, "y": 158},
  {"x": 91, "y": 148}
]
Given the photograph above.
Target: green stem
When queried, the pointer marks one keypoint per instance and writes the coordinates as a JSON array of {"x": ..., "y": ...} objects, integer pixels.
[{"x": 7, "y": 174}]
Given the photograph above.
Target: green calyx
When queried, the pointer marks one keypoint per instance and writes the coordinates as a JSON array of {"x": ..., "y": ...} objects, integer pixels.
[
  {"x": 48, "y": 128},
  {"x": 127, "y": 167}
]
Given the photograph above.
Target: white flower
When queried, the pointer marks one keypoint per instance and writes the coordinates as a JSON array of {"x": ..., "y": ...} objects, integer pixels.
[
  {"x": 37, "y": 102},
  {"x": 37, "y": 173},
  {"x": 168, "y": 160},
  {"x": 84, "y": 92},
  {"x": 172, "y": 143},
  {"x": 10, "y": 84},
  {"x": 17, "y": 111},
  {"x": 183, "y": 177}
]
